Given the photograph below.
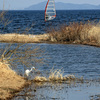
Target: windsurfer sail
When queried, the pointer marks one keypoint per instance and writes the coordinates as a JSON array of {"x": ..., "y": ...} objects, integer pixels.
[{"x": 50, "y": 12}]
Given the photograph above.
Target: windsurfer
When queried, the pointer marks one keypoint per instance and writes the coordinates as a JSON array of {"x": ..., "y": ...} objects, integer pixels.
[
  {"x": 48, "y": 17},
  {"x": 50, "y": 12}
]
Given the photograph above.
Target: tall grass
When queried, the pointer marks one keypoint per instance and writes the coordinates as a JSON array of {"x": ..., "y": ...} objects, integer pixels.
[
  {"x": 56, "y": 75},
  {"x": 76, "y": 33}
]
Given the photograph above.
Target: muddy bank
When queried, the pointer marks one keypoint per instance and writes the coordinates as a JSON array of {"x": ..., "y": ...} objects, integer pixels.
[{"x": 10, "y": 82}]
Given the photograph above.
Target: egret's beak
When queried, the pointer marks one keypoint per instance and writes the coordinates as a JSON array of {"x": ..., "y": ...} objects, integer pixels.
[{"x": 34, "y": 69}]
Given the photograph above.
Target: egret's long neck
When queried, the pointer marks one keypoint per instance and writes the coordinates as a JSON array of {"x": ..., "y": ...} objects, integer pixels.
[{"x": 31, "y": 69}]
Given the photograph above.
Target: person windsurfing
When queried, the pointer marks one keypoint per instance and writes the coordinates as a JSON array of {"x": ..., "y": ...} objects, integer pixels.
[{"x": 50, "y": 12}]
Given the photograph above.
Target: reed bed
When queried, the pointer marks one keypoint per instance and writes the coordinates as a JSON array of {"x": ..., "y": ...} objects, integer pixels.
[
  {"x": 82, "y": 33},
  {"x": 55, "y": 76},
  {"x": 10, "y": 82},
  {"x": 40, "y": 79}
]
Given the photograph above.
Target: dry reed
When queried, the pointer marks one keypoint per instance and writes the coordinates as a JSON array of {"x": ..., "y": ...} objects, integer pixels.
[
  {"x": 40, "y": 79},
  {"x": 23, "y": 38},
  {"x": 55, "y": 76},
  {"x": 75, "y": 32},
  {"x": 10, "y": 82}
]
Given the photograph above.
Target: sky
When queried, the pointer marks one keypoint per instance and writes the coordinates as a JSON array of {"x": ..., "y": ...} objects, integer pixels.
[{"x": 21, "y": 4}]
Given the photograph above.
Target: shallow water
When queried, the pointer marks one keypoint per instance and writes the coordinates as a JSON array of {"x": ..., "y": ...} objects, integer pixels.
[
  {"x": 61, "y": 91},
  {"x": 79, "y": 60}
]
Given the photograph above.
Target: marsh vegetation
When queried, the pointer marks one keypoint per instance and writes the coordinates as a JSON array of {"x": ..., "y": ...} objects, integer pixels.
[{"x": 76, "y": 32}]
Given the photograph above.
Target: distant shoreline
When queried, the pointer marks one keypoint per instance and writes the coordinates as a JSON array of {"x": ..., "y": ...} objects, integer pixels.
[{"x": 63, "y": 6}]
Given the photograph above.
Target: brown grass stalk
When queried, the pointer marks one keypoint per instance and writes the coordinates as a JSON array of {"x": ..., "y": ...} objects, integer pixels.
[{"x": 56, "y": 75}]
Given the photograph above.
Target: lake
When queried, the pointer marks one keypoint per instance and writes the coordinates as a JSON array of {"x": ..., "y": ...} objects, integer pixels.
[
  {"x": 79, "y": 60},
  {"x": 20, "y": 20}
]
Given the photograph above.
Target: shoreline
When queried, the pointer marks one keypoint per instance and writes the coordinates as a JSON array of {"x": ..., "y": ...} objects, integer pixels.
[
  {"x": 10, "y": 82},
  {"x": 23, "y": 38},
  {"x": 42, "y": 38}
]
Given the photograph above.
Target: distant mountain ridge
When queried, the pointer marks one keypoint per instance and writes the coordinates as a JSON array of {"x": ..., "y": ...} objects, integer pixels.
[{"x": 63, "y": 6}]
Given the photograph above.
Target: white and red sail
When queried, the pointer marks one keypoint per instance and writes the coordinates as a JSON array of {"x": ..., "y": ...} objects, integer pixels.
[{"x": 50, "y": 12}]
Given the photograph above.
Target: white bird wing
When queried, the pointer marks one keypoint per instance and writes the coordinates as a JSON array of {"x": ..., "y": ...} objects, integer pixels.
[{"x": 27, "y": 72}]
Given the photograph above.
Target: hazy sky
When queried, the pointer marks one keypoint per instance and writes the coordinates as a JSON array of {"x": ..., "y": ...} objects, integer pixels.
[{"x": 21, "y": 4}]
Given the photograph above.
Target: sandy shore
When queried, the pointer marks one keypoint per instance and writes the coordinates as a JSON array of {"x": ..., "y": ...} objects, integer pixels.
[
  {"x": 22, "y": 38},
  {"x": 10, "y": 82}
]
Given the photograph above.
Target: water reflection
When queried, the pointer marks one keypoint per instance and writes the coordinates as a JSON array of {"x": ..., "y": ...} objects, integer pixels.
[{"x": 61, "y": 91}]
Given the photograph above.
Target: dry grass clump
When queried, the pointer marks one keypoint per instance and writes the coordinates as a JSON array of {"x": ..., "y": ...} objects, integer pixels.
[
  {"x": 94, "y": 34},
  {"x": 10, "y": 82},
  {"x": 23, "y": 38},
  {"x": 70, "y": 32},
  {"x": 55, "y": 76},
  {"x": 40, "y": 79},
  {"x": 76, "y": 33}
]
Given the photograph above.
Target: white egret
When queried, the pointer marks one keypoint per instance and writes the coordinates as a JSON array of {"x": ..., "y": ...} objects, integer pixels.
[{"x": 27, "y": 72}]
